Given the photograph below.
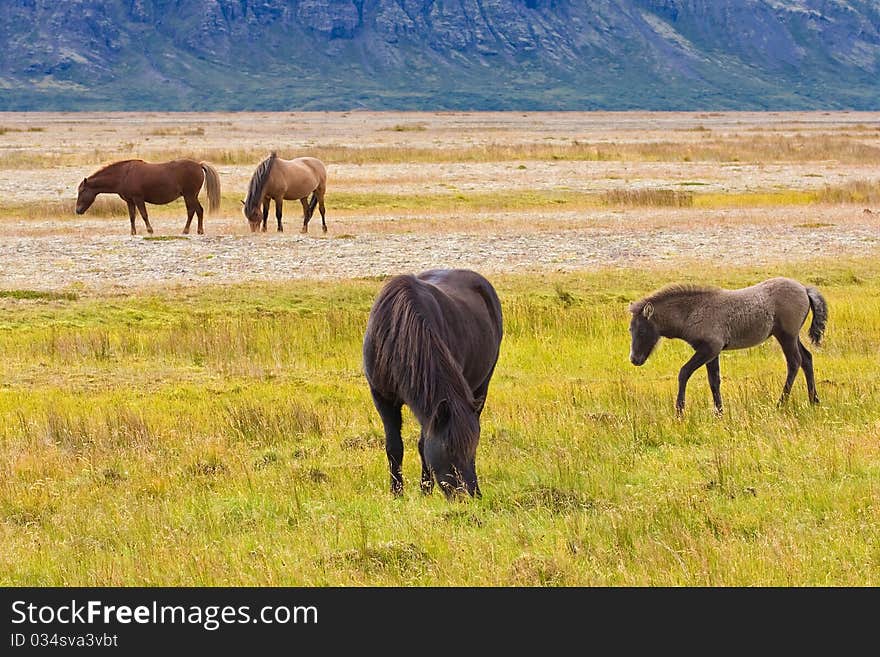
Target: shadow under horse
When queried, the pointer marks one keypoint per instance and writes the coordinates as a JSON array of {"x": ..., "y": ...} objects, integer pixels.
[
  {"x": 432, "y": 342},
  {"x": 713, "y": 320},
  {"x": 138, "y": 183}
]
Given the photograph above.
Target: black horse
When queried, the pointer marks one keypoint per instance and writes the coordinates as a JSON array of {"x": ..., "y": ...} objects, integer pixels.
[{"x": 431, "y": 343}]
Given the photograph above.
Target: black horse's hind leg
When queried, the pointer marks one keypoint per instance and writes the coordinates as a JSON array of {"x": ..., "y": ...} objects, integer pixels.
[
  {"x": 142, "y": 207},
  {"x": 132, "y": 216},
  {"x": 265, "y": 214},
  {"x": 789, "y": 344},
  {"x": 704, "y": 353},
  {"x": 807, "y": 365},
  {"x": 714, "y": 371},
  {"x": 392, "y": 421},
  {"x": 278, "y": 205},
  {"x": 427, "y": 483}
]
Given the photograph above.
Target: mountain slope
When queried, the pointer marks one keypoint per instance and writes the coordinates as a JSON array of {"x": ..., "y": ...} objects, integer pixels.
[{"x": 455, "y": 54}]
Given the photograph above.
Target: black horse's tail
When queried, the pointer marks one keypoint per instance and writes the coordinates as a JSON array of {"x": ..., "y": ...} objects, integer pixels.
[
  {"x": 820, "y": 314},
  {"x": 313, "y": 203}
]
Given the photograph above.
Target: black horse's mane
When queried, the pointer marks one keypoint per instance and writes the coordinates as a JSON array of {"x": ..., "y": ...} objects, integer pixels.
[
  {"x": 258, "y": 181},
  {"x": 410, "y": 352}
]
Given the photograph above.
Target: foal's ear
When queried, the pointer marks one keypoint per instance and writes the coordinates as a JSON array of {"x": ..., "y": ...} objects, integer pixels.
[
  {"x": 648, "y": 310},
  {"x": 441, "y": 417}
]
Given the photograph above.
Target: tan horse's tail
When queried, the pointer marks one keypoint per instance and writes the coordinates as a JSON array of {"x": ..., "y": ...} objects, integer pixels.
[{"x": 212, "y": 185}]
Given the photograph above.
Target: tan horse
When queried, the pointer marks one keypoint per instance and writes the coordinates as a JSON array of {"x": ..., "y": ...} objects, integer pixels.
[
  {"x": 286, "y": 180},
  {"x": 138, "y": 182}
]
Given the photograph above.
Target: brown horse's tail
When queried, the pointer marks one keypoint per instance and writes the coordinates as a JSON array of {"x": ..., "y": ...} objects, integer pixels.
[
  {"x": 313, "y": 203},
  {"x": 820, "y": 314},
  {"x": 212, "y": 185}
]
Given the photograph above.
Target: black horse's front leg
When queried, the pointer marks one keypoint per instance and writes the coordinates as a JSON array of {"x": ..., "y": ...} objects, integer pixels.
[
  {"x": 427, "y": 483},
  {"x": 392, "y": 422},
  {"x": 704, "y": 353}
]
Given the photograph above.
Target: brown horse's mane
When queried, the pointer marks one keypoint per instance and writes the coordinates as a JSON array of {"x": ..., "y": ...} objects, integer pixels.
[
  {"x": 410, "y": 352},
  {"x": 113, "y": 165},
  {"x": 258, "y": 182}
]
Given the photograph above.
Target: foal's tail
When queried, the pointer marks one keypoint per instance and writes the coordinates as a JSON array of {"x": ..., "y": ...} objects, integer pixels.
[
  {"x": 820, "y": 314},
  {"x": 212, "y": 185},
  {"x": 313, "y": 203}
]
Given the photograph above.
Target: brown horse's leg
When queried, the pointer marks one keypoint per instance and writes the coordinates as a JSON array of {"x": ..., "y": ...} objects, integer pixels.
[
  {"x": 714, "y": 371},
  {"x": 279, "y": 202},
  {"x": 789, "y": 344},
  {"x": 190, "y": 211},
  {"x": 807, "y": 365},
  {"x": 306, "y": 215},
  {"x": 392, "y": 422},
  {"x": 132, "y": 216},
  {"x": 143, "y": 209},
  {"x": 265, "y": 214},
  {"x": 704, "y": 353}
]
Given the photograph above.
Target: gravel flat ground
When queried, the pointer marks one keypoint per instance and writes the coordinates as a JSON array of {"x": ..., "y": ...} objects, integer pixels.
[{"x": 99, "y": 255}]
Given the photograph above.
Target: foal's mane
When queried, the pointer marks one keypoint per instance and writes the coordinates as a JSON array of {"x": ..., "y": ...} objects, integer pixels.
[
  {"x": 258, "y": 181},
  {"x": 409, "y": 352},
  {"x": 673, "y": 293}
]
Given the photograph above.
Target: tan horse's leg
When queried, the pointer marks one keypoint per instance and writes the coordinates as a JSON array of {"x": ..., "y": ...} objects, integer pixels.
[
  {"x": 278, "y": 205},
  {"x": 265, "y": 214},
  {"x": 143, "y": 210},
  {"x": 320, "y": 191},
  {"x": 193, "y": 207},
  {"x": 306, "y": 216}
]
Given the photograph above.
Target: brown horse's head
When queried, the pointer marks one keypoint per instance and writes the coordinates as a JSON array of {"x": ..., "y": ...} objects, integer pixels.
[
  {"x": 85, "y": 196},
  {"x": 450, "y": 449},
  {"x": 643, "y": 332}
]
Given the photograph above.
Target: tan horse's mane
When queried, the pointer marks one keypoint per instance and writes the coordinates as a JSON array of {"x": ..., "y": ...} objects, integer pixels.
[
  {"x": 112, "y": 166},
  {"x": 258, "y": 182}
]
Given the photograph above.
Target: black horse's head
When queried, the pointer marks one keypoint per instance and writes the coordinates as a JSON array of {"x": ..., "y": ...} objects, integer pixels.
[
  {"x": 85, "y": 196},
  {"x": 643, "y": 332},
  {"x": 450, "y": 448}
]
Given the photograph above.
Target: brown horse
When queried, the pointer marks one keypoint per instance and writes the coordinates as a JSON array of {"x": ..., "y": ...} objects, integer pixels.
[
  {"x": 431, "y": 343},
  {"x": 713, "y": 320},
  {"x": 286, "y": 180},
  {"x": 138, "y": 182}
]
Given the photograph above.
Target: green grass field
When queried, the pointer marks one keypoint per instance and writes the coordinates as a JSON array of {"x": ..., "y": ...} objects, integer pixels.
[{"x": 225, "y": 436}]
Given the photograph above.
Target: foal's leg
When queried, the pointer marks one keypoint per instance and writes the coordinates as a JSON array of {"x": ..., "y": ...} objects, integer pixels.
[
  {"x": 714, "y": 371},
  {"x": 143, "y": 210},
  {"x": 265, "y": 214},
  {"x": 131, "y": 216},
  {"x": 789, "y": 344},
  {"x": 427, "y": 483},
  {"x": 392, "y": 421},
  {"x": 807, "y": 365},
  {"x": 704, "y": 353},
  {"x": 278, "y": 203}
]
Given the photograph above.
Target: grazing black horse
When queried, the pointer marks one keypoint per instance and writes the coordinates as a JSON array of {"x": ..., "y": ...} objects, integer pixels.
[
  {"x": 713, "y": 320},
  {"x": 431, "y": 343}
]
